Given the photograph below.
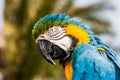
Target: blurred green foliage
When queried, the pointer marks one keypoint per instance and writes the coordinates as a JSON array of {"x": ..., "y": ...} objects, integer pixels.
[{"x": 23, "y": 61}]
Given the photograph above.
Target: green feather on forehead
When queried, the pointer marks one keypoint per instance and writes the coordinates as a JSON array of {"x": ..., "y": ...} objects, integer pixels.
[{"x": 53, "y": 20}]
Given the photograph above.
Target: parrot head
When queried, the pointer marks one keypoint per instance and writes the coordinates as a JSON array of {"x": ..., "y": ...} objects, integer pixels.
[{"x": 57, "y": 35}]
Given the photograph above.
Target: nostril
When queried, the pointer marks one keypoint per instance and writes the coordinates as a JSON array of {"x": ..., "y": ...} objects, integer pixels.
[{"x": 42, "y": 36}]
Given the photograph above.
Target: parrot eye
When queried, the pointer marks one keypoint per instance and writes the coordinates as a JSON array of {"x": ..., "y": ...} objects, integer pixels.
[{"x": 55, "y": 33}]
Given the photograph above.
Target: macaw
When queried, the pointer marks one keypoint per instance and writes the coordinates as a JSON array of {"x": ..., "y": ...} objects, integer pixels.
[{"x": 82, "y": 55}]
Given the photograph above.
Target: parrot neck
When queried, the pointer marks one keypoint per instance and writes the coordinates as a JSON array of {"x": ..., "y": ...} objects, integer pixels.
[
  {"x": 68, "y": 69},
  {"x": 79, "y": 33},
  {"x": 82, "y": 37}
]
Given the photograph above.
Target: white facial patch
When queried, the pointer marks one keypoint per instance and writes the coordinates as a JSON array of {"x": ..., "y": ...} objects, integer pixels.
[{"x": 58, "y": 36}]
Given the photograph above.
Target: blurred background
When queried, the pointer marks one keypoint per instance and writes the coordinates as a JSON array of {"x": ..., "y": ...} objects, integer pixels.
[{"x": 19, "y": 56}]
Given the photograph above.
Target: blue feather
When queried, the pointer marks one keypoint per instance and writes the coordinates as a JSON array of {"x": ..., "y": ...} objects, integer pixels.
[
  {"x": 88, "y": 64},
  {"x": 84, "y": 26},
  {"x": 109, "y": 52}
]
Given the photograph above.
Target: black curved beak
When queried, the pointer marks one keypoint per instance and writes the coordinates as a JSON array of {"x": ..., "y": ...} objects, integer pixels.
[
  {"x": 51, "y": 51},
  {"x": 45, "y": 48}
]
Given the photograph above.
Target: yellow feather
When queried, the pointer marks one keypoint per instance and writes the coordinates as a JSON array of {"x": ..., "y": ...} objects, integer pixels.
[
  {"x": 82, "y": 36},
  {"x": 68, "y": 70},
  {"x": 101, "y": 49},
  {"x": 78, "y": 33}
]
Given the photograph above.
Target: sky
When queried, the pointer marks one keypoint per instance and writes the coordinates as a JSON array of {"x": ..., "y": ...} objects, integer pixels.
[
  {"x": 114, "y": 17},
  {"x": 1, "y": 14}
]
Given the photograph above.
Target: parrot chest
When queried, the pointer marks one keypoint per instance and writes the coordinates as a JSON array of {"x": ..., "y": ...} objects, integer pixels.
[{"x": 68, "y": 70}]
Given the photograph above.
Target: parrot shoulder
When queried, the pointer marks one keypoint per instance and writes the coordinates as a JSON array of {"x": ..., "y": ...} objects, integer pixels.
[{"x": 88, "y": 64}]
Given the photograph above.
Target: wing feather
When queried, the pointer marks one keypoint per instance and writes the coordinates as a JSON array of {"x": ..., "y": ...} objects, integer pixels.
[{"x": 88, "y": 64}]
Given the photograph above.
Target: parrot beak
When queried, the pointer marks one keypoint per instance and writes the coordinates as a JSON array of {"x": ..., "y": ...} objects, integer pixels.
[
  {"x": 45, "y": 49},
  {"x": 50, "y": 51}
]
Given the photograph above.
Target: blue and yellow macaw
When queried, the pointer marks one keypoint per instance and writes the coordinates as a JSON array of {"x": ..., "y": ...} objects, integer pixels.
[{"x": 82, "y": 54}]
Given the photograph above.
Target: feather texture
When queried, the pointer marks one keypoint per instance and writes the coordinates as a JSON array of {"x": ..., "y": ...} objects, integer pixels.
[
  {"x": 89, "y": 64},
  {"x": 54, "y": 20},
  {"x": 91, "y": 59}
]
